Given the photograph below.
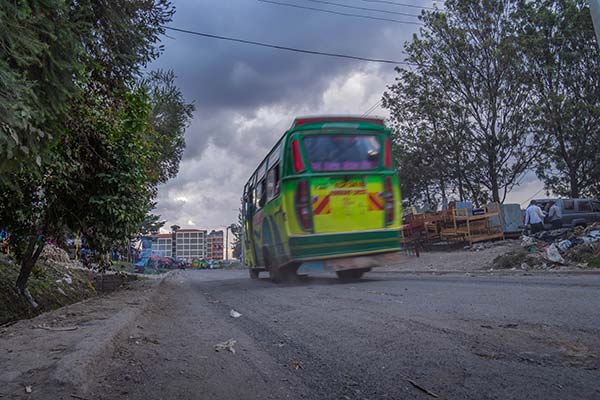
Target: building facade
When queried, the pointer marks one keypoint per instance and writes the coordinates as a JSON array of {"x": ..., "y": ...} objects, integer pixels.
[
  {"x": 214, "y": 246},
  {"x": 189, "y": 244}
]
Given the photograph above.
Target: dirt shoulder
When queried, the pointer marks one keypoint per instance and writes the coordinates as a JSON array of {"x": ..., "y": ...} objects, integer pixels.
[
  {"x": 503, "y": 256},
  {"x": 54, "y": 354}
]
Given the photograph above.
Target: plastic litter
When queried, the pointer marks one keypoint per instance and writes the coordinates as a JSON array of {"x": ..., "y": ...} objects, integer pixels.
[
  {"x": 552, "y": 254},
  {"x": 227, "y": 345},
  {"x": 564, "y": 245},
  {"x": 234, "y": 314},
  {"x": 527, "y": 241},
  {"x": 28, "y": 389}
]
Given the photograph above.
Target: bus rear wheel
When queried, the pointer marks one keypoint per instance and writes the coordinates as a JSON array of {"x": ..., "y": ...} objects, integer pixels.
[
  {"x": 350, "y": 275},
  {"x": 254, "y": 273}
]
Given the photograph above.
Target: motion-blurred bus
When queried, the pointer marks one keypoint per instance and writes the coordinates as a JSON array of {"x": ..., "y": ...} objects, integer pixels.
[{"x": 327, "y": 193}]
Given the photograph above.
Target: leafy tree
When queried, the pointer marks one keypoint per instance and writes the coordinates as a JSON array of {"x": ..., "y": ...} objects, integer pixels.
[
  {"x": 170, "y": 116},
  {"x": 477, "y": 98},
  {"x": 51, "y": 49},
  {"x": 563, "y": 62},
  {"x": 151, "y": 224},
  {"x": 236, "y": 231},
  {"x": 97, "y": 181}
]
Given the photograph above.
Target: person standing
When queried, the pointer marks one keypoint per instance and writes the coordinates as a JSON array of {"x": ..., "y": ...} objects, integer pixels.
[
  {"x": 534, "y": 217},
  {"x": 555, "y": 215}
]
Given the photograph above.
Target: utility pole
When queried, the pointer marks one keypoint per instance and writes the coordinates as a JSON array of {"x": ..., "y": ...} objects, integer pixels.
[{"x": 595, "y": 11}]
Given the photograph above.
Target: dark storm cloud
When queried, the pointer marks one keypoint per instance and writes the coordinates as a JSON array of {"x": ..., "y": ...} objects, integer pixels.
[{"x": 246, "y": 96}]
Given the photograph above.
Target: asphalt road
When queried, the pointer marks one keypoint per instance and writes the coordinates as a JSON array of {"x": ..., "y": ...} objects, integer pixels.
[{"x": 389, "y": 336}]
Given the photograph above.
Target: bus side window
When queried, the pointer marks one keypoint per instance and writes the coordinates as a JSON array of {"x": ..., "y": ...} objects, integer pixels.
[
  {"x": 273, "y": 182},
  {"x": 249, "y": 203},
  {"x": 261, "y": 193}
]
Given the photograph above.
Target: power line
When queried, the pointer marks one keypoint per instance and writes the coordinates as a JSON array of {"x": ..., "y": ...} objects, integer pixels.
[
  {"x": 371, "y": 109},
  {"x": 331, "y": 3},
  {"x": 278, "y": 47},
  {"x": 393, "y": 3},
  {"x": 340, "y": 13}
]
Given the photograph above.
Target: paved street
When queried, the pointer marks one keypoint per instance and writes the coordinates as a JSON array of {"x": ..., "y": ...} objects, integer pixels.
[{"x": 389, "y": 336}]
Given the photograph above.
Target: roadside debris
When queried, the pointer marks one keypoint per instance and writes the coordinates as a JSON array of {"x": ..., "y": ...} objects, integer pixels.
[
  {"x": 28, "y": 389},
  {"x": 575, "y": 247},
  {"x": 421, "y": 388},
  {"x": 234, "y": 314},
  {"x": 297, "y": 364},
  {"x": 552, "y": 254},
  {"x": 227, "y": 345}
]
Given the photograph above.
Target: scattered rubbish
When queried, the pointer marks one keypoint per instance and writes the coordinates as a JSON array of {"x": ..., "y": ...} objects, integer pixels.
[
  {"x": 421, "y": 388},
  {"x": 297, "y": 364},
  {"x": 525, "y": 266},
  {"x": 55, "y": 329},
  {"x": 527, "y": 241},
  {"x": 564, "y": 245},
  {"x": 552, "y": 254},
  {"x": 28, "y": 389},
  {"x": 234, "y": 314},
  {"x": 227, "y": 345}
]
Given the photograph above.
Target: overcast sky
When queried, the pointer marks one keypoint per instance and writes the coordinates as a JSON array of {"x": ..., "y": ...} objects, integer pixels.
[{"x": 247, "y": 96}]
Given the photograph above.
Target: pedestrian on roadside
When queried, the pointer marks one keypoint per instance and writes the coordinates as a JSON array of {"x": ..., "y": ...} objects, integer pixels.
[
  {"x": 534, "y": 217},
  {"x": 555, "y": 215}
]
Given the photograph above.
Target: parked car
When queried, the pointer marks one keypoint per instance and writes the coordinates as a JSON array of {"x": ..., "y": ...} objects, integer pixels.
[{"x": 575, "y": 212}]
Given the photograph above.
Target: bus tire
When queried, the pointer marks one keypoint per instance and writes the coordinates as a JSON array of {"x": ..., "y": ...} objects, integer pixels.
[
  {"x": 350, "y": 275},
  {"x": 254, "y": 273},
  {"x": 274, "y": 272}
]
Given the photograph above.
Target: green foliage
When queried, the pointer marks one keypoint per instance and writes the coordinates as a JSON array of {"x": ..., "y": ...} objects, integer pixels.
[
  {"x": 170, "y": 116},
  {"x": 151, "y": 224},
  {"x": 563, "y": 62},
  {"x": 38, "y": 60},
  {"x": 51, "y": 49},
  {"x": 236, "y": 231},
  {"x": 499, "y": 87}
]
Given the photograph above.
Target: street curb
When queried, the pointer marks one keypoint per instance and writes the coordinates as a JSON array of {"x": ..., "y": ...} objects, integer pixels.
[
  {"x": 495, "y": 272},
  {"x": 92, "y": 354}
]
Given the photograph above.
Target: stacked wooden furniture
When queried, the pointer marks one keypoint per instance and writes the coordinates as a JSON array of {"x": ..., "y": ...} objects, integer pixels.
[{"x": 474, "y": 228}]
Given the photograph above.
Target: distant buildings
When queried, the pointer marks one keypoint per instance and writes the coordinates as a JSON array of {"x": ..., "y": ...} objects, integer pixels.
[
  {"x": 189, "y": 244},
  {"x": 214, "y": 245}
]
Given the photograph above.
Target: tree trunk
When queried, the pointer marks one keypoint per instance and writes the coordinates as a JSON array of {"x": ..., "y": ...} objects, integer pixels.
[
  {"x": 573, "y": 184},
  {"x": 495, "y": 188},
  {"x": 31, "y": 257}
]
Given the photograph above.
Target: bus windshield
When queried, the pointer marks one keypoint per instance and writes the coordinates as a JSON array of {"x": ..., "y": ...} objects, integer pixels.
[{"x": 342, "y": 152}]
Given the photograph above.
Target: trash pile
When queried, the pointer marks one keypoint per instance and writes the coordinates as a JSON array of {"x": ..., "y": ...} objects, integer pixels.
[
  {"x": 579, "y": 247},
  {"x": 55, "y": 254}
]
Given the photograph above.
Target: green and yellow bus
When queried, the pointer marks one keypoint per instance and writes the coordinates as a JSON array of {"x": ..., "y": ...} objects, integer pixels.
[{"x": 327, "y": 192}]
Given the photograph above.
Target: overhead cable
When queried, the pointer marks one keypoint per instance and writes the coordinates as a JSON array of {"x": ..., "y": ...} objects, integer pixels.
[{"x": 278, "y": 47}]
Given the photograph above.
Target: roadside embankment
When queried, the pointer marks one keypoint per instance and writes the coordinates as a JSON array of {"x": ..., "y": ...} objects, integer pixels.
[{"x": 56, "y": 353}]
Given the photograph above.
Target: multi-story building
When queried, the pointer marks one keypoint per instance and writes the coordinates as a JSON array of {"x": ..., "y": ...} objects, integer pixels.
[
  {"x": 214, "y": 246},
  {"x": 162, "y": 245},
  {"x": 189, "y": 244}
]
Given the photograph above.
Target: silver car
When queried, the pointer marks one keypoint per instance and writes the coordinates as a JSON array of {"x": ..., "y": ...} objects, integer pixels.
[{"x": 575, "y": 212}]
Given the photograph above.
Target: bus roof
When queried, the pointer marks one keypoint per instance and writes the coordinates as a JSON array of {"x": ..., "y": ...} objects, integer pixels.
[{"x": 326, "y": 119}]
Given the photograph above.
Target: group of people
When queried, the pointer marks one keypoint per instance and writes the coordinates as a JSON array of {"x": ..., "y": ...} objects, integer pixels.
[{"x": 535, "y": 216}]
